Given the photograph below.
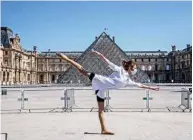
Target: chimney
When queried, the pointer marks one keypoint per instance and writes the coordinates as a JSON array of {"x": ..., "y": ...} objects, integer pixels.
[
  {"x": 188, "y": 45},
  {"x": 95, "y": 37},
  {"x": 34, "y": 48},
  {"x": 113, "y": 39},
  {"x": 173, "y": 48}
]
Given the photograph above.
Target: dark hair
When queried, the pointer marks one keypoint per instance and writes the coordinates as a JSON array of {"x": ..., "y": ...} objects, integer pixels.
[{"x": 128, "y": 64}]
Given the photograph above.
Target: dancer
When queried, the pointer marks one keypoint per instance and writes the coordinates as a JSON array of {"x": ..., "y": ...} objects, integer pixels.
[{"x": 120, "y": 78}]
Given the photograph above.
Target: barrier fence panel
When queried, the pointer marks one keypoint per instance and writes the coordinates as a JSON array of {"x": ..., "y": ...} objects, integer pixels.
[
  {"x": 165, "y": 100},
  {"x": 128, "y": 99},
  {"x": 186, "y": 99},
  {"x": 44, "y": 99},
  {"x": 69, "y": 99},
  {"x": 190, "y": 103},
  {"x": 190, "y": 99},
  {"x": 85, "y": 99},
  {"x": 12, "y": 100}
]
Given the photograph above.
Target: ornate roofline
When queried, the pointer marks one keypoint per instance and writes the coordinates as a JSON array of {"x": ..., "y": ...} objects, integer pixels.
[{"x": 6, "y": 28}]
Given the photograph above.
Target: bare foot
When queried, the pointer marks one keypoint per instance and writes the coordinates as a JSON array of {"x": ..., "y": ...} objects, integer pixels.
[{"x": 105, "y": 132}]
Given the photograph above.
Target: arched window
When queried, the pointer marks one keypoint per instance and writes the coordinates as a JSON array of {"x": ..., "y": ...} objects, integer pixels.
[
  {"x": 28, "y": 77},
  {"x": 167, "y": 67},
  {"x": 149, "y": 68},
  {"x": 142, "y": 67}
]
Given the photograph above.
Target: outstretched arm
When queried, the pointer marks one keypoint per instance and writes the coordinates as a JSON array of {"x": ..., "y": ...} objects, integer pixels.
[
  {"x": 148, "y": 87},
  {"x": 142, "y": 85},
  {"x": 110, "y": 64}
]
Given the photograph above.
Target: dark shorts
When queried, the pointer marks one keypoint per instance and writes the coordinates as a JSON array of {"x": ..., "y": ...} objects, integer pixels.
[{"x": 91, "y": 76}]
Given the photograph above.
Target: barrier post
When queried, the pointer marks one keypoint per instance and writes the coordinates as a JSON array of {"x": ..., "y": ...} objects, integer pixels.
[
  {"x": 186, "y": 99},
  {"x": 22, "y": 99},
  {"x": 147, "y": 99},
  {"x": 68, "y": 100},
  {"x": 107, "y": 102}
]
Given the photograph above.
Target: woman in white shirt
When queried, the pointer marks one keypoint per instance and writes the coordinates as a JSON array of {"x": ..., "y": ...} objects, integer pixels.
[{"x": 120, "y": 78}]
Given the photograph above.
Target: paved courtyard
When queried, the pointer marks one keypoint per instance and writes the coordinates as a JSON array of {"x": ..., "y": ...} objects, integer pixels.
[{"x": 71, "y": 126}]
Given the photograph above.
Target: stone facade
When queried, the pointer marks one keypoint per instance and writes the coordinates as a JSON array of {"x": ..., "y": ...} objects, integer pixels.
[{"x": 18, "y": 65}]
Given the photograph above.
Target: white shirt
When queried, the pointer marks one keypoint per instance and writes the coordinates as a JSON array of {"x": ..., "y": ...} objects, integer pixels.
[{"x": 118, "y": 79}]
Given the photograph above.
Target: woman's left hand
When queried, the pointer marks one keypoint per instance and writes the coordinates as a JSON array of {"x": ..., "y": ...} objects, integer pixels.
[{"x": 155, "y": 88}]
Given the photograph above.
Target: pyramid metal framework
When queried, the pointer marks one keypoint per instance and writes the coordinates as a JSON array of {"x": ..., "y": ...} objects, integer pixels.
[{"x": 93, "y": 63}]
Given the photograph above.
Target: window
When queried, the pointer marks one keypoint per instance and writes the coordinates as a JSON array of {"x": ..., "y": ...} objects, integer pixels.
[
  {"x": 149, "y": 59},
  {"x": 7, "y": 76},
  {"x": 142, "y": 59},
  {"x": 53, "y": 66},
  {"x": 149, "y": 68},
  {"x": 156, "y": 60},
  {"x": 145, "y": 60},
  {"x": 183, "y": 65},
  {"x": 53, "y": 78},
  {"x": 6, "y": 62},
  {"x": 57, "y": 60},
  {"x": 188, "y": 62},
  {"x": 167, "y": 67},
  {"x": 156, "y": 67},
  {"x": 142, "y": 67},
  {"x": 60, "y": 67},
  {"x": 6, "y": 53},
  {"x": 28, "y": 77},
  {"x": 3, "y": 76}
]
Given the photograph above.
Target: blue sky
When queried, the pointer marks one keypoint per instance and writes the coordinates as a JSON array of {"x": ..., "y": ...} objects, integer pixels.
[{"x": 72, "y": 26}]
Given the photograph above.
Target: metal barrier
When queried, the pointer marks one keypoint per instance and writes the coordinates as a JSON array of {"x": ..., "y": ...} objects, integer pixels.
[
  {"x": 186, "y": 99},
  {"x": 73, "y": 99},
  {"x": 10, "y": 102},
  {"x": 5, "y": 136},
  {"x": 36, "y": 100},
  {"x": 108, "y": 107},
  {"x": 69, "y": 99},
  {"x": 107, "y": 102},
  {"x": 147, "y": 99},
  {"x": 84, "y": 100},
  {"x": 84, "y": 97}
]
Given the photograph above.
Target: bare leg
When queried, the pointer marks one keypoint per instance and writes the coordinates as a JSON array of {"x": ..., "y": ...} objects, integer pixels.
[
  {"x": 101, "y": 119},
  {"x": 75, "y": 64}
]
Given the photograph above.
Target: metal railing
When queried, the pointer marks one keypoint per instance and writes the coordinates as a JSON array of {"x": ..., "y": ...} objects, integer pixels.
[
  {"x": 73, "y": 99},
  {"x": 5, "y": 136},
  {"x": 186, "y": 99}
]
